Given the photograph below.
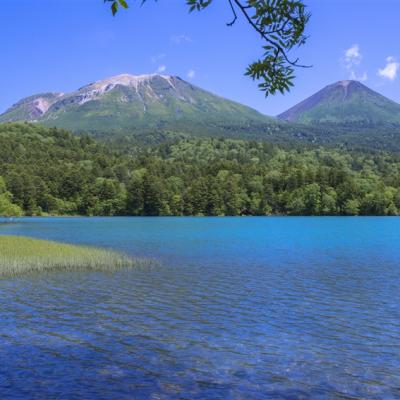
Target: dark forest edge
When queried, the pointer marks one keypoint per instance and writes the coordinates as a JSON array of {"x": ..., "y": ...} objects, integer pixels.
[{"x": 49, "y": 171}]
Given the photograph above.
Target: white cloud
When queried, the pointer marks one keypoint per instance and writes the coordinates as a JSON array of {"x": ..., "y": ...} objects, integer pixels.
[
  {"x": 161, "y": 68},
  {"x": 390, "y": 70},
  {"x": 191, "y": 74},
  {"x": 352, "y": 56},
  {"x": 351, "y": 60},
  {"x": 180, "y": 39}
]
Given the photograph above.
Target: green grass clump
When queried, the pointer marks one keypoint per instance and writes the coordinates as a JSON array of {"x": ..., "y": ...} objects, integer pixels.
[{"x": 22, "y": 255}]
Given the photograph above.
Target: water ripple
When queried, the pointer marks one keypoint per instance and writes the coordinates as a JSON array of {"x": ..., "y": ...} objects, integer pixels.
[{"x": 321, "y": 321}]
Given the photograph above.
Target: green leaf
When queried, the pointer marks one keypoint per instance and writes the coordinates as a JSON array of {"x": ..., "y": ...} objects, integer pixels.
[
  {"x": 114, "y": 8},
  {"x": 123, "y": 3}
]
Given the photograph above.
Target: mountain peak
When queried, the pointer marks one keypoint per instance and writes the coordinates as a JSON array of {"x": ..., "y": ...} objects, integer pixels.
[
  {"x": 343, "y": 102},
  {"x": 349, "y": 82},
  {"x": 344, "y": 83},
  {"x": 131, "y": 80},
  {"x": 128, "y": 80}
]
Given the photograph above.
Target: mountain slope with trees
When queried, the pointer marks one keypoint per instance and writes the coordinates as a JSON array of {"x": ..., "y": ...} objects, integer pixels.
[
  {"x": 126, "y": 110},
  {"x": 345, "y": 102},
  {"x": 142, "y": 103}
]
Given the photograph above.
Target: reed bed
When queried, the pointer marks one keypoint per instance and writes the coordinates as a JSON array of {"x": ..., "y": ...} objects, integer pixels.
[{"x": 22, "y": 255}]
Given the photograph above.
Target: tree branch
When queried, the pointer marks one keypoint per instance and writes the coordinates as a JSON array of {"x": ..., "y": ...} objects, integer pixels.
[
  {"x": 266, "y": 38},
  {"x": 234, "y": 14}
]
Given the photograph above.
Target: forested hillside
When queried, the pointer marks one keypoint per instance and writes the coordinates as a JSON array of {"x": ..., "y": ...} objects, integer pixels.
[{"x": 51, "y": 171}]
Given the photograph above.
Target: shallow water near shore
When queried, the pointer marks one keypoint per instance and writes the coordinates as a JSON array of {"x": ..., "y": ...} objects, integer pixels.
[{"x": 255, "y": 308}]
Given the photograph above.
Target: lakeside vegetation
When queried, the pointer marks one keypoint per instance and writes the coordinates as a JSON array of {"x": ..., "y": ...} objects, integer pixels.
[
  {"x": 22, "y": 255},
  {"x": 48, "y": 171}
]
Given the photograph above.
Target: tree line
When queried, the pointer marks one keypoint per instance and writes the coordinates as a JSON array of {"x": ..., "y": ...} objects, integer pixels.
[{"x": 48, "y": 171}]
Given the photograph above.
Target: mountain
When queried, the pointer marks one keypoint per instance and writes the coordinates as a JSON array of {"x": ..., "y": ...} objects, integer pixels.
[
  {"x": 345, "y": 102},
  {"x": 128, "y": 111},
  {"x": 129, "y": 103}
]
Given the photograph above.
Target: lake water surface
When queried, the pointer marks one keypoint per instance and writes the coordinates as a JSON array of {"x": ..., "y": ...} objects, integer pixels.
[{"x": 238, "y": 308}]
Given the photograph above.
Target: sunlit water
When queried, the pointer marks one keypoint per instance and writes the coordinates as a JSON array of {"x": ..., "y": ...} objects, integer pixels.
[{"x": 238, "y": 308}]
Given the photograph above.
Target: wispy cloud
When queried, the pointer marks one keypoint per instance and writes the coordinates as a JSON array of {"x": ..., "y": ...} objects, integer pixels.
[
  {"x": 191, "y": 74},
  {"x": 180, "y": 39},
  {"x": 351, "y": 60},
  {"x": 157, "y": 58},
  {"x": 161, "y": 68},
  {"x": 362, "y": 77},
  {"x": 390, "y": 70}
]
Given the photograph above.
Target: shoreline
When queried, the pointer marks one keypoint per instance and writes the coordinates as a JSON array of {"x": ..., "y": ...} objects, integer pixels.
[{"x": 7, "y": 221}]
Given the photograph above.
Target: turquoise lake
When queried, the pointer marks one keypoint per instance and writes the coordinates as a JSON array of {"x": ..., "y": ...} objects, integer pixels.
[{"x": 234, "y": 308}]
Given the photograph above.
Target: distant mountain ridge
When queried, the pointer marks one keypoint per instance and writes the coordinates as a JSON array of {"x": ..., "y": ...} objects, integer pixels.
[
  {"x": 130, "y": 110},
  {"x": 344, "y": 102},
  {"x": 130, "y": 103}
]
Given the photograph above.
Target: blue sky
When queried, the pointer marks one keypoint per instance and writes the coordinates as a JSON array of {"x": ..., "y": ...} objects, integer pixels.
[{"x": 60, "y": 45}]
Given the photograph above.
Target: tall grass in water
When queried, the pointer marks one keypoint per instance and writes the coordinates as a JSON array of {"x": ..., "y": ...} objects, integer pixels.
[{"x": 21, "y": 255}]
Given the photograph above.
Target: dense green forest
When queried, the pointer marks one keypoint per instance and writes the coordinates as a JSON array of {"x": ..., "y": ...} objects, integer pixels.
[{"x": 48, "y": 171}]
